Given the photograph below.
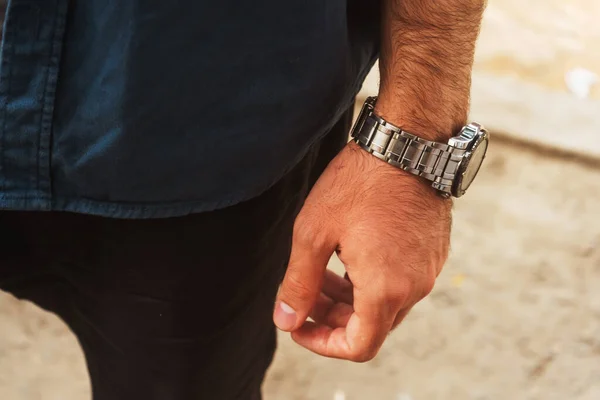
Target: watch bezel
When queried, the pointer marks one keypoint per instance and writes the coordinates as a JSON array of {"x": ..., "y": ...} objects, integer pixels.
[{"x": 480, "y": 137}]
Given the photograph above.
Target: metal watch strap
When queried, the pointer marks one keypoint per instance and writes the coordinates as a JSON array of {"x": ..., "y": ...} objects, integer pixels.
[{"x": 436, "y": 162}]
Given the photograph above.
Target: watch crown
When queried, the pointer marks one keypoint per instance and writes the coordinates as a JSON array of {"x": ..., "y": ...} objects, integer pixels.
[
  {"x": 465, "y": 137},
  {"x": 470, "y": 130}
]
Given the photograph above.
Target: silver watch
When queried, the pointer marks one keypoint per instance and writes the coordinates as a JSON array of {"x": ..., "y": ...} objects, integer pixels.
[{"x": 451, "y": 167}]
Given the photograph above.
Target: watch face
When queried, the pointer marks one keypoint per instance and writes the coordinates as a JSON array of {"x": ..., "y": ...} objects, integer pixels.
[{"x": 473, "y": 166}]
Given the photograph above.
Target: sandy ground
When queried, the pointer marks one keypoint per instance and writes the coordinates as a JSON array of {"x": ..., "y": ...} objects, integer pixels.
[
  {"x": 540, "y": 40},
  {"x": 514, "y": 315}
]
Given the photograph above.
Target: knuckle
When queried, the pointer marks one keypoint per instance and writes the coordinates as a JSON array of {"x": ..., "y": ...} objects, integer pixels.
[
  {"x": 296, "y": 289},
  {"x": 303, "y": 229},
  {"x": 399, "y": 293},
  {"x": 364, "y": 355},
  {"x": 427, "y": 286},
  {"x": 365, "y": 350},
  {"x": 309, "y": 233}
]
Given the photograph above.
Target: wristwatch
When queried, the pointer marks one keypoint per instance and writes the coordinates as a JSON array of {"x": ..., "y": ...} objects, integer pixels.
[{"x": 451, "y": 167}]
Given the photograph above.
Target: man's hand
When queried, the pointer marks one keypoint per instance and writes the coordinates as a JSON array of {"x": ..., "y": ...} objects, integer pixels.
[{"x": 390, "y": 230}]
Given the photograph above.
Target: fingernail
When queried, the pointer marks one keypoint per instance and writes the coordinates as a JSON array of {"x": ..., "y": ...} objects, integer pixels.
[{"x": 285, "y": 316}]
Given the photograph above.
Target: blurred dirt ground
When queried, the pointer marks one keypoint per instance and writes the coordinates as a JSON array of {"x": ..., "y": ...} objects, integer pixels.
[{"x": 514, "y": 315}]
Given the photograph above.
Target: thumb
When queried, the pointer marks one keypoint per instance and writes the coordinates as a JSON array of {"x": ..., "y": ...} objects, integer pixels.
[{"x": 303, "y": 280}]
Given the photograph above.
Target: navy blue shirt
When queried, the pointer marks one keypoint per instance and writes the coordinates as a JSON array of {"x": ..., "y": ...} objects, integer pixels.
[{"x": 147, "y": 108}]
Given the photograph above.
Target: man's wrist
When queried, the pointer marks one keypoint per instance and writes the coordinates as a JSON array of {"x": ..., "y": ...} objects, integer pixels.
[
  {"x": 412, "y": 183},
  {"x": 436, "y": 123},
  {"x": 440, "y": 164}
]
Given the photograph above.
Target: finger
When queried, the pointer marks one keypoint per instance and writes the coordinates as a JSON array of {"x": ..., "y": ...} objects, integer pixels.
[
  {"x": 367, "y": 328},
  {"x": 338, "y": 288},
  {"x": 321, "y": 339},
  {"x": 331, "y": 313},
  {"x": 303, "y": 281},
  {"x": 333, "y": 341}
]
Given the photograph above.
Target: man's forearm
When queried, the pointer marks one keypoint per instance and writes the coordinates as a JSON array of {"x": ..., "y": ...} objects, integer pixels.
[{"x": 426, "y": 60}]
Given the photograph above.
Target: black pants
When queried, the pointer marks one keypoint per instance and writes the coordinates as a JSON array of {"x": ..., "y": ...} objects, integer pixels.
[{"x": 166, "y": 309}]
